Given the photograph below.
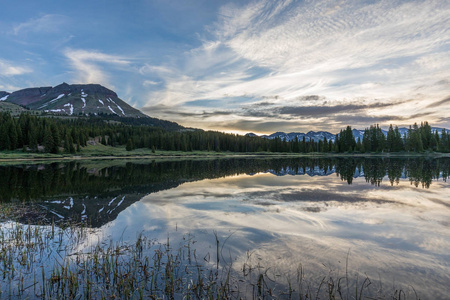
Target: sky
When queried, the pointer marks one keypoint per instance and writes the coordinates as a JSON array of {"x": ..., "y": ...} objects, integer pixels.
[{"x": 241, "y": 66}]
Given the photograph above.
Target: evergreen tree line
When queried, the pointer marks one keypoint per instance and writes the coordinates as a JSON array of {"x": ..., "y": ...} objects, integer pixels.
[
  {"x": 55, "y": 135},
  {"x": 25, "y": 182},
  {"x": 417, "y": 139}
]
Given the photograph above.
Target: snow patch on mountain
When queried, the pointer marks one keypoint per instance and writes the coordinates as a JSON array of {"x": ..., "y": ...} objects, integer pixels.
[
  {"x": 103, "y": 103},
  {"x": 4, "y": 98},
  {"x": 120, "y": 108},
  {"x": 110, "y": 202},
  {"x": 55, "y": 110},
  {"x": 112, "y": 110},
  {"x": 56, "y": 201},
  {"x": 84, "y": 102},
  {"x": 70, "y": 107},
  {"x": 58, "y": 215},
  {"x": 52, "y": 101},
  {"x": 70, "y": 206},
  {"x": 57, "y": 98},
  {"x": 118, "y": 204},
  {"x": 84, "y": 209},
  {"x": 123, "y": 198}
]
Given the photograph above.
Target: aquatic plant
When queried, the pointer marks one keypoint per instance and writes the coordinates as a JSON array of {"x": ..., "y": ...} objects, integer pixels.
[{"x": 63, "y": 260}]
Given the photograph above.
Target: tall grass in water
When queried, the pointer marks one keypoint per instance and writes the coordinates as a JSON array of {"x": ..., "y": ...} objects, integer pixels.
[{"x": 49, "y": 262}]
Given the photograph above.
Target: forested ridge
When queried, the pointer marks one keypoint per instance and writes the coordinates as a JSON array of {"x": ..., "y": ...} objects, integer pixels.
[{"x": 55, "y": 135}]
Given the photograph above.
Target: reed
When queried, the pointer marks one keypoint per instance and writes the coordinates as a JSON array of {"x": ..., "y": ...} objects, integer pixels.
[{"x": 45, "y": 262}]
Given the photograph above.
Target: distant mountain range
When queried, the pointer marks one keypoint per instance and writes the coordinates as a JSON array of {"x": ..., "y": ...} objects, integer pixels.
[
  {"x": 78, "y": 100},
  {"x": 321, "y": 135},
  {"x": 311, "y": 135}
]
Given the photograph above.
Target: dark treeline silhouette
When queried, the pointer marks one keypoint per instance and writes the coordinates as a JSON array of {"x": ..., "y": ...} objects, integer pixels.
[
  {"x": 37, "y": 182},
  {"x": 417, "y": 139},
  {"x": 55, "y": 135}
]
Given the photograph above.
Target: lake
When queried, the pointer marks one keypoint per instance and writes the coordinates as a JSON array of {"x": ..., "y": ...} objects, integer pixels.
[{"x": 278, "y": 227}]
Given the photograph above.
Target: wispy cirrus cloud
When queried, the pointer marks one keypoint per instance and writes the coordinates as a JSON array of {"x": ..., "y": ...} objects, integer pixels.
[
  {"x": 345, "y": 51},
  {"x": 439, "y": 104},
  {"x": 300, "y": 64},
  {"x": 8, "y": 69},
  {"x": 45, "y": 24},
  {"x": 90, "y": 66},
  {"x": 329, "y": 110}
]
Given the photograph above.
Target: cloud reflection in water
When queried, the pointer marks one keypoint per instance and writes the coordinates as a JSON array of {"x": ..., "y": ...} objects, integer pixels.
[{"x": 398, "y": 233}]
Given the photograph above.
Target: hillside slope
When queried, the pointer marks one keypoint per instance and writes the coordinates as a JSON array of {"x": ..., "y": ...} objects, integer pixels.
[
  {"x": 78, "y": 100},
  {"x": 11, "y": 108},
  {"x": 75, "y": 99}
]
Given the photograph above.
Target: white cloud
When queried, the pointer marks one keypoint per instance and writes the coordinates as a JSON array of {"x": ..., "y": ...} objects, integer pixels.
[
  {"x": 343, "y": 50},
  {"x": 150, "y": 83},
  {"x": 9, "y": 87},
  {"x": 90, "y": 65},
  {"x": 7, "y": 69},
  {"x": 149, "y": 69},
  {"x": 46, "y": 24},
  {"x": 314, "y": 41}
]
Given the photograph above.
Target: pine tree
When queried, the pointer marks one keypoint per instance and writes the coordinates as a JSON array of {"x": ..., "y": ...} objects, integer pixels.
[
  {"x": 13, "y": 138},
  {"x": 129, "y": 146},
  {"x": 56, "y": 138},
  {"x": 398, "y": 141},
  {"x": 426, "y": 135},
  {"x": 49, "y": 143},
  {"x": 390, "y": 140},
  {"x": 33, "y": 139},
  {"x": 444, "y": 142},
  {"x": 71, "y": 147},
  {"x": 366, "y": 142},
  {"x": 359, "y": 145},
  {"x": 66, "y": 144},
  {"x": 433, "y": 143}
]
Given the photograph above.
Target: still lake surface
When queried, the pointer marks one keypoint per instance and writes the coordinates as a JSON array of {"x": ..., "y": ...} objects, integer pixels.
[{"x": 385, "y": 218}]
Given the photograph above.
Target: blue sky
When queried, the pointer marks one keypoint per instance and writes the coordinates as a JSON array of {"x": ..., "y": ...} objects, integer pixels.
[{"x": 235, "y": 66}]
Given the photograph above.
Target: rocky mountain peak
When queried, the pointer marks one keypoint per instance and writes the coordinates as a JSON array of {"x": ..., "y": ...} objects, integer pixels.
[
  {"x": 86, "y": 88},
  {"x": 74, "y": 99}
]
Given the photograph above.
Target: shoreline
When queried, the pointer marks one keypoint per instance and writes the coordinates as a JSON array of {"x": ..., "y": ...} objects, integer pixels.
[{"x": 32, "y": 157}]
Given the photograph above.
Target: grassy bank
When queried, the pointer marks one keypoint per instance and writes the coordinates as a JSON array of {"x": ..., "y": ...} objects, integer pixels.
[{"x": 106, "y": 152}]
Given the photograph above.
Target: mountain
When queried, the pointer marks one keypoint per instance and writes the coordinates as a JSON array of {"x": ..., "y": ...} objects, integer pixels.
[
  {"x": 3, "y": 95},
  {"x": 79, "y": 100},
  {"x": 11, "y": 108},
  {"x": 321, "y": 135},
  {"x": 403, "y": 131},
  {"x": 311, "y": 135},
  {"x": 75, "y": 99}
]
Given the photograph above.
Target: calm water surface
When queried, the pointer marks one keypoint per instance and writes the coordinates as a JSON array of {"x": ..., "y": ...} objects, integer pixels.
[{"x": 388, "y": 219}]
